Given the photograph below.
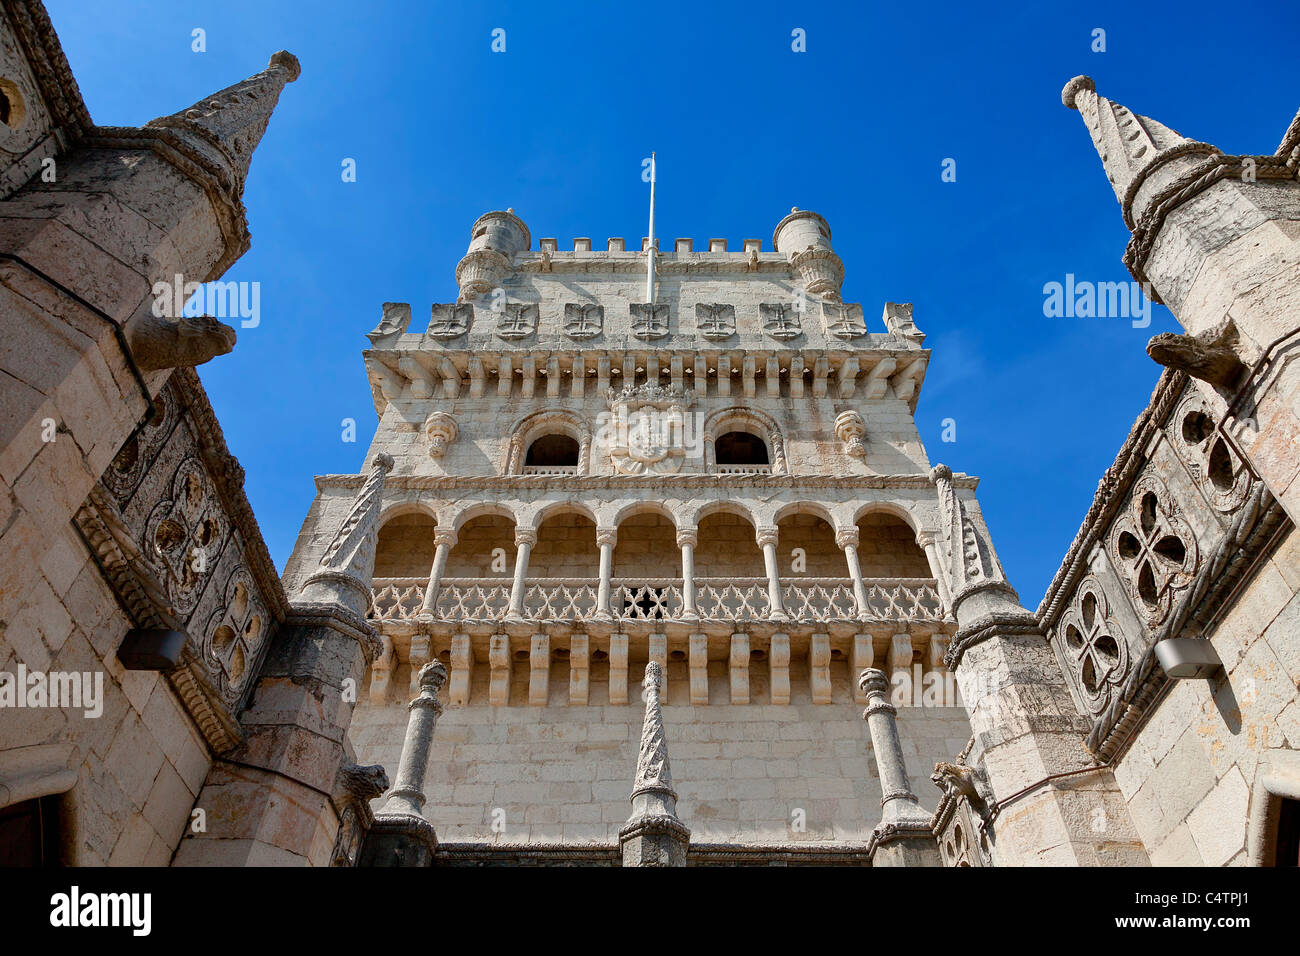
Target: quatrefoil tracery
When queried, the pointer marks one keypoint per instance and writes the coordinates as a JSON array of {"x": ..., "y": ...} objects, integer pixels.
[
  {"x": 1155, "y": 548},
  {"x": 1204, "y": 445},
  {"x": 1096, "y": 650}
]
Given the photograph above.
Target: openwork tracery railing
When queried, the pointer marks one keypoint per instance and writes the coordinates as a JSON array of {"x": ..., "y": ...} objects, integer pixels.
[{"x": 650, "y": 599}]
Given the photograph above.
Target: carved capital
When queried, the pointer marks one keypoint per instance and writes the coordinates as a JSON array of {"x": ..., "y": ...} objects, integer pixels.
[
  {"x": 766, "y": 535},
  {"x": 445, "y": 537},
  {"x": 688, "y": 537},
  {"x": 525, "y": 536},
  {"x": 606, "y": 537},
  {"x": 846, "y": 537}
]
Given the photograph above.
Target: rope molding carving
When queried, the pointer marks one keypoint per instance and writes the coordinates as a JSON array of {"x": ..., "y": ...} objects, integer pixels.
[
  {"x": 1178, "y": 192},
  {"x": 992, "y": 625},
  {"x": 1128, "y": 706}
]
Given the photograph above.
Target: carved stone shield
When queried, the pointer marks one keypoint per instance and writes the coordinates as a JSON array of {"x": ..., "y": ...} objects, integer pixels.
[
  {"x": 715, "y": 321},
  {"x": 582, "y": 321},
  {"x": 449, "y": 321},
  {"x": 518, "y": 320},
  {"x": 649, "y": 321},
  {"x": 780, "y": 320}
]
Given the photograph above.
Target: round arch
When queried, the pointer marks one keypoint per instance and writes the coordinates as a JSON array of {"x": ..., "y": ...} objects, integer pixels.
[
  {"x": 547, "y": 421},
  {"x": 743, "y": 419}
]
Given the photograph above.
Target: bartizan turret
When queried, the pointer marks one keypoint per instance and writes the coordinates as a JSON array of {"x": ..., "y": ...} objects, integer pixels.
[{"x": 495, "y": 239}]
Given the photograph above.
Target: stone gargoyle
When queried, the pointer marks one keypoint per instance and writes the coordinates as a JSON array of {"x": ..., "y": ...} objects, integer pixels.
[{"x": 158, "y": 343}]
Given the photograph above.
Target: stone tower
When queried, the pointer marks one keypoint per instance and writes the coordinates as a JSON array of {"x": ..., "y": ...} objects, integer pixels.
[{"x": 726, "y": 480}]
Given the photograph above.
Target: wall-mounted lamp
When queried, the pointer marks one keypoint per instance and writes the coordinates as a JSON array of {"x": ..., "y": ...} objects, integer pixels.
[{"x": 1188, "y": 658}]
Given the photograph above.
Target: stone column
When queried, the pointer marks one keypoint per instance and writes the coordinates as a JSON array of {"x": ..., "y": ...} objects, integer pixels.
[
  {"x": 904, "y": 836},
  {"x": 653, "y": 836},
  {"x": 525, "y": 538},
  {"x": 687, "y": 539},
  {"x": 847, "y": 538},
  {"x": 926, "y": 540},
  {"x": 767, "y": 538},
  {"x": 606, "y": 539},
  {"x": 400, "y": 835},
  {"x": 444, "y": 540},
  {"x": 269, "y": 801},
  {"x": 1026, "y": 727}
]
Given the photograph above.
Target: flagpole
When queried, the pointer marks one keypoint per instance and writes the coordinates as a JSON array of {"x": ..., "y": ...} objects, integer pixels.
[{"x": 650, "y": 250}]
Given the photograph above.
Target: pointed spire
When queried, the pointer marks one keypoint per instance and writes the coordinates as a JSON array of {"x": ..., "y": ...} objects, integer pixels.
[
  {"x": 653, "y": 836},
  {"x": 1130, "y": 145},
  {"x": 223, "y": 129},
  {"x": 348, "y": 564},
  {"x": 652, "y": 772}
]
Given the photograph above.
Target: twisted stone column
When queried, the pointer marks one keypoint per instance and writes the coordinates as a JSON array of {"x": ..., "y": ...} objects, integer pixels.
[
  {"x": 401, "y": 836},
  {"x": 653, "y": 836},
  {"x": 904, "y": 836}
]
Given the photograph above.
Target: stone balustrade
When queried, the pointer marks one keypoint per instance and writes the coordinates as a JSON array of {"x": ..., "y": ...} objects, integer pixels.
[{"x": 644, "y": 599}]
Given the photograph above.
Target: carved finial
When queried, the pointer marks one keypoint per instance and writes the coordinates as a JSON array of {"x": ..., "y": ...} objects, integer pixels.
[
  {"x": 289, "y": 62},
  {"x": 223, "y": 129},
  {"x": 1132, "y": 147},
  {"x": 1072, "y": 88}
]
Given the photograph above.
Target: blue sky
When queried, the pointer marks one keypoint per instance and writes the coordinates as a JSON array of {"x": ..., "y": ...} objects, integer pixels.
[{"x": 442, "y": 129}]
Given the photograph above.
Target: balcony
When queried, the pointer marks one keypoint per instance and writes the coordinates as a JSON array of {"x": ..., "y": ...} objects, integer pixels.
[{"x": 739, "y": 599}]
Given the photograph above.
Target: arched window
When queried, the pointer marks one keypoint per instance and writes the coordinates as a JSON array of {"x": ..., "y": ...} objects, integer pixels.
[
  {"x": 742, "y": 440},
  {"x": 555, "y": 451},
  {"x": 550, "y": 442},
  {"x": 740, "y": 448}
]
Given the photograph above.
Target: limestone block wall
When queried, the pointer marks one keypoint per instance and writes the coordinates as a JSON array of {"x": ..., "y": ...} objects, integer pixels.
[
  {"x": 807, "y": 424},
  {"x": 563, "y": 773},
  {"x": 140, "y": 763},
  {"x": 1189, "y": 774}
]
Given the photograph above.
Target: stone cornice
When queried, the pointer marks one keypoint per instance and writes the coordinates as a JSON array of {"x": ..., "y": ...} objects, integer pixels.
[
  {"x": 1109, "y": 497},
  {"x": 50, "y": 67},
  {"x": 631, "y": 483},
  {"x": 337, "y": 618}
]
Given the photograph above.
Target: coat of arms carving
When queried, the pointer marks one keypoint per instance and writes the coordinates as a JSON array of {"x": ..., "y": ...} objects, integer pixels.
[
  {"x": 449, "y": 321},
  {"x": 844, "y": 321},
  {"x": 582, "y": 321},
  {"x": 649, "y": 320},
  {"x": 780, "y": 320},
  {"x": 518, "y": 320},
  {"x": 715, "y": 321}
]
